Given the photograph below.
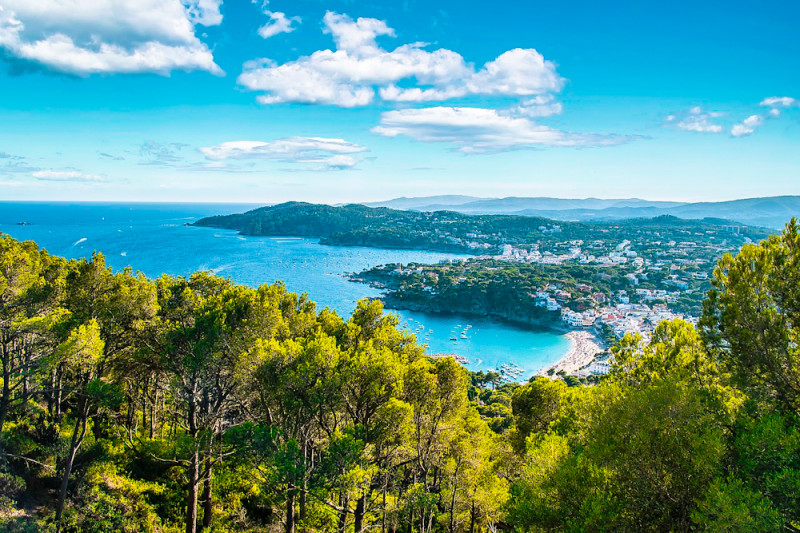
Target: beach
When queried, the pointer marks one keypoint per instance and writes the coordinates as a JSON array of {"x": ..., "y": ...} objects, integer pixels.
[{"x": 584, "y": 346}]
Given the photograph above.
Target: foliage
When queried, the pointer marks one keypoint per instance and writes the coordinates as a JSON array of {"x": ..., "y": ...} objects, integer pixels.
[{"x": 191, "y": 404}]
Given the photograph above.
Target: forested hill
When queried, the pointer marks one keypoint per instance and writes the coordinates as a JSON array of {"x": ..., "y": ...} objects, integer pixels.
[
  {"x": 304, "y": 220},
  {"x": 357, "y": 225}
]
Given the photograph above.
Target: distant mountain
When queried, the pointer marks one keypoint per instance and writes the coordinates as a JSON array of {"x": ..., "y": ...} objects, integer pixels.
[
  {"x": 771, "y": 212},
  {"x": 488, "y": 206},
  {"x": 417, "y": 204}
]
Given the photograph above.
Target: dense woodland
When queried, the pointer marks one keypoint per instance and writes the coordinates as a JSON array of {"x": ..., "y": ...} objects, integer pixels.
[
  {"x": 490, "y": 287},
  {"x": 195, "y": 404}
]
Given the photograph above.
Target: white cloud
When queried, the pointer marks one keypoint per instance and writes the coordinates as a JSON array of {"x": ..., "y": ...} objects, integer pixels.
[
  {"x": 477, "y": 130},
  {"x": 776, "y": 103},
  {"x": 84, "y": 37},
  {"x": 69, "y": 175},
  {"x": 204, "y": 12},
  {"x": 278, "y": 23},
  {"x": 695, "y": 119},
  {"x": 747, "y": 126},
  {"x": 319, "y": 153},
  {"x": 357, "y": 36},
  {"x": 539, "y": 106},
  {"x": 350, "y": 75},
  {"x": 702, "y": 125}
]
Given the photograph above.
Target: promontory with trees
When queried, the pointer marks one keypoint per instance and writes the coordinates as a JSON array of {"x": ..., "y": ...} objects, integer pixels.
[{"x": 195, "y": 404}]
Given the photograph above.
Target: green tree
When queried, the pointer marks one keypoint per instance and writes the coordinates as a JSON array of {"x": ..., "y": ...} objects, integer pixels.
[
  {"x": 535, "y": 405},
  {"x": 81, "y": 357},
  {"x": 751, "y": 318}
]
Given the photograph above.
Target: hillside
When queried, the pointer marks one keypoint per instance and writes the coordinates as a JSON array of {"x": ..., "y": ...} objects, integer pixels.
[{"x": 450, "y": 231}]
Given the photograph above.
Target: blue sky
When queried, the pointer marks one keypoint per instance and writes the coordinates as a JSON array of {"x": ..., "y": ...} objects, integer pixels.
[{"x": 239, "y": 101}]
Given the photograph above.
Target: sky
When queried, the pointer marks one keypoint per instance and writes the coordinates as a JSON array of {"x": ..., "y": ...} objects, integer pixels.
[{"x": 351, "y": 100}]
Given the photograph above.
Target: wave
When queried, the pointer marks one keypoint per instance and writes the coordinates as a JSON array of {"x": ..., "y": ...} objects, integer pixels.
[{"x": 76, "y": 243}]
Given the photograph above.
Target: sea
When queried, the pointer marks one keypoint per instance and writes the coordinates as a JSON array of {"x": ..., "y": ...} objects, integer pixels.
[{"x": 155, "y": 239}]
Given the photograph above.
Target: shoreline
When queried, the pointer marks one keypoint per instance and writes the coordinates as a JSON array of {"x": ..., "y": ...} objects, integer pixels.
[{"x": 584, "y": 347}]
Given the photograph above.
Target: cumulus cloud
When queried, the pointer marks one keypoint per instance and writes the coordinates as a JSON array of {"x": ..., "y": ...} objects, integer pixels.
[
  {"x": 85, "y": 37},
  {"x": 695, "y": 119},
  {"x": 350, "y": 75},
  {"x": 317, "y": 153},
  {"x": 747, "y": 126},
  {"x": 479, "y": 130},
  {"x": 278, "y": 23},
  {"x": 777, "y": 103},
  {"x": 66, "y": 175}
]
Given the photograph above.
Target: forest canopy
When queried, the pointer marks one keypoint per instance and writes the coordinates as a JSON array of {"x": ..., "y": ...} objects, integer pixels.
[{"x": 196, "y": 404}]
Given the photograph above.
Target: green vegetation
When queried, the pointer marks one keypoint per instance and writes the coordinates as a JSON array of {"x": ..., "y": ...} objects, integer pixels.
[
  {"x": 449, "y": 231},
  {"x": 194, "y": 404},
  {"x": 489, "y": 287}
]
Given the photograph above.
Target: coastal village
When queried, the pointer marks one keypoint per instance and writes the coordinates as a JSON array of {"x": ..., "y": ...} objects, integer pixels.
[{"x": 657, "y": 279}]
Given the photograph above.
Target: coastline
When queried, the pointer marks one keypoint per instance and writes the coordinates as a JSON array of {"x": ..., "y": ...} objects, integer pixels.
[
  {"x": 585, "y": 344},
  {"x": 584, "y": 347}
]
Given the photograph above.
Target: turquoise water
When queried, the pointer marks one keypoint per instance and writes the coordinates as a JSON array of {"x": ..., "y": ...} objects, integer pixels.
[{"x": 152, "y": 238}]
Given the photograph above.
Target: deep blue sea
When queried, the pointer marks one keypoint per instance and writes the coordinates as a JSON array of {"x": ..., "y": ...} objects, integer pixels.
[{"x": 153, "y": 239}]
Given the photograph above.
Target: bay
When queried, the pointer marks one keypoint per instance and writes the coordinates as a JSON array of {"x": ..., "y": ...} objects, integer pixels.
[{"x": 153, "y": 239}]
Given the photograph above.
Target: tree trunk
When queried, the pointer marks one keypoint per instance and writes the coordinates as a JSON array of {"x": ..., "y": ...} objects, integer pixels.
[
  {"x": 153, "y": 414},
  {"x": 359, "y": 514},
  {"x": 26, "y": 367},
  {"x": 208, "y": 505},
  {"x": 472, "y": 518},
  {"x": 6, "y": 397},
  {"x": 290, "y": 496},
  {"x": 77, "y": 439},
  {"x": 59, "y": 384},
  {"x": 194, "y": 464},
  {"x": 302, "y": 502},
  {"x": 383, "y": 506},
  {"x": 302, "y": 498},
  {"x": 452, "y": 510},
  {"x": 191, "y": 498}
]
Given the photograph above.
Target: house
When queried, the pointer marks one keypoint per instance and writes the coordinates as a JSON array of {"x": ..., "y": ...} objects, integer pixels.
[{"x": 600, "y": 367}]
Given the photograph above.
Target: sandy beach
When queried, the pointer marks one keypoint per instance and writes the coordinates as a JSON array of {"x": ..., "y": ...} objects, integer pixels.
[{"x": 584, "y": 346}]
